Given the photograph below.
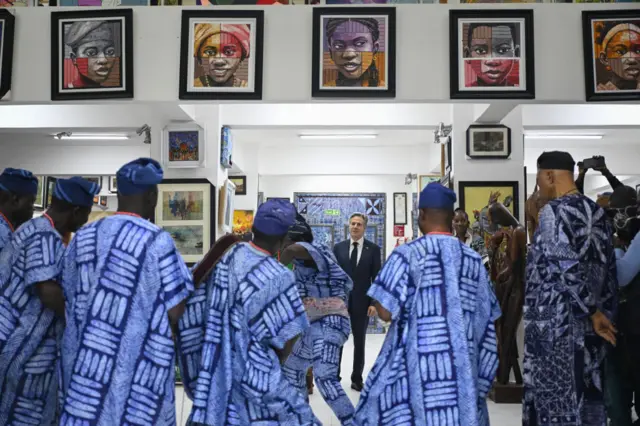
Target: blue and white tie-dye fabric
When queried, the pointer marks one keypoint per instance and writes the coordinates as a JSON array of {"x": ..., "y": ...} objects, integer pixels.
[
  {"x": 321, "y": 345},
  {"x": 6, "y": 231},
  {"x": 247, "y": 307},
  {"x": 440, "y": 355},
  {"x": 29, "y": 332},
  {"x": 121, "y": 275}
]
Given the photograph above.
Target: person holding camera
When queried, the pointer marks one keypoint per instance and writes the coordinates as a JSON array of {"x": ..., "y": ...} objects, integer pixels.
[
  {"x": 596, "y": 163},
  {"x": 622, "y": 372}
]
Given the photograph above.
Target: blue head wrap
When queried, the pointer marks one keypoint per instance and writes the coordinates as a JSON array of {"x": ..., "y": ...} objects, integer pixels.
[
  {"x": 76, "y": 191},
  {"x": 274, "y": 217},
  {"x": 138, "y": 176},
  {"x": 436, "y": 196},
  {"x": 18, "y": 181}
]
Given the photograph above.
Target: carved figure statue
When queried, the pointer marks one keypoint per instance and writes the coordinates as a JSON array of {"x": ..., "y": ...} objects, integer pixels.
[{"x": 507, "y": 251}]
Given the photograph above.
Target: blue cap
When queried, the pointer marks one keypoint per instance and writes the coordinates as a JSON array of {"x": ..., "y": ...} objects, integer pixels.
[
  {"x": 138, "y": 176},
  {"x": 18, "y": 181},
  {"x": 76, "y": 191},
  {"x": 274, "y": 217},
  {"x": 436, "y": 196}
]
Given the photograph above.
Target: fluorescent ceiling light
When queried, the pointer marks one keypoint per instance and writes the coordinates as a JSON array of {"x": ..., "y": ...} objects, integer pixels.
[
  {"x": 552, "y": 136},
  {"x": 338, "y": 136},
  {"x": 93, "y": 136}
]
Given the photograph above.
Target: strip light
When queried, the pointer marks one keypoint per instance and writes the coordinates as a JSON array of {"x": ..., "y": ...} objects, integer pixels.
[
  {"x": 550, "y": 136},
  {"x": 338, "y": 136},
  {"x": 85, "y": 137}
]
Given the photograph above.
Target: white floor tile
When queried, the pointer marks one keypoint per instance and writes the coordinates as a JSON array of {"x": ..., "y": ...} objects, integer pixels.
[{"x": 501, "y": 414}]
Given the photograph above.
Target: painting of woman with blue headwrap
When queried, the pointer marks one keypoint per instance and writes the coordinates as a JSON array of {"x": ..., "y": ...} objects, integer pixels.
[{"x": 354, "y": 53}]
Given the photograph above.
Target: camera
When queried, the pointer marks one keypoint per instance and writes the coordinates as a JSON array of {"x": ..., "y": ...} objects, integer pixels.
[{"x": 594, "y": 162}]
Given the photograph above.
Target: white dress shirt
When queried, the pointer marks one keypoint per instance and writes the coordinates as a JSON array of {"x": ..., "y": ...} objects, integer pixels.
[{"x": 360, "y": 247}]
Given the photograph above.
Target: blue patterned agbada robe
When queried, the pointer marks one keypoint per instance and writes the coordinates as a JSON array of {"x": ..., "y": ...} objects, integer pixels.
[
  {"x": 321, "y": 344},
  {"x": 6, "y": 231},
  {"x": 570, "y": 273},
  {"x": 440, "y": 357},
  {"x": 248, "y": 306},
  {"x": 29, "y": 332},
  {"x": 121, "y": 276}
]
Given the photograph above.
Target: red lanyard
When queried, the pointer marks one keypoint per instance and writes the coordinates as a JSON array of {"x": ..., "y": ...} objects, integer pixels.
[
  {"x": 260, "y": 249},
  {"x": 129, "y": 214},
  {"x": 50, "y": 220},
  {"x": 7, "y": 220}
]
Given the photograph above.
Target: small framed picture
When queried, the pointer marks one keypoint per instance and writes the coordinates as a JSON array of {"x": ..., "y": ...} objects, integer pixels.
[
  {"x": 92, "y": 54},
  {"x": 354, "y": 52},
  {"x": 240, "y": 183},
  {"x": 39, "y": 204},
  {"x": 491, "y": 54},
  {"x": 103, "y": 201},
  {"x": 221, "y": 54},
  {"x": 488, "y": 141},
  {"x": 225, "y": 207},
  {"x": 7, "y": 29},
  {"x": 113, "y": 185},
  {"x": 183, "y": 146},
  {"x": 445, "y": 157},
  {"x": 424, "y": 180},
  {"x": 610, "y": 39},
  {"x": 399, "y": 208}
]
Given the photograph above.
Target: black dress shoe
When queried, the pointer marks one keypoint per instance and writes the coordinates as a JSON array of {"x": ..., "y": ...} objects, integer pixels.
[{"x": 356, "y": 387}]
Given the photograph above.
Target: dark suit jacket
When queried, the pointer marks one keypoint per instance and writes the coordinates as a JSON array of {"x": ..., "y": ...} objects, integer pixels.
[{"x": 363, "y": 276}]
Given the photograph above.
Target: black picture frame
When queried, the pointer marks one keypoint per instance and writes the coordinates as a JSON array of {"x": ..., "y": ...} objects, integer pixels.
[
  {"x": 241, "y": 184},
  {"x": 592, "y": 65},
  {"x": 514, "y": 185},
  {"x": 491, "y": 15},
  {"x": 8, "y": 22},
  {"x": 488, "y": 127},
  {"x": 402, "y": 221},
  {"x": 390, "y": 52},
  {"x": 48, "y": 190},
  {"x": 212, "y": 194},
  {"x": 58, "y": 93},
  {"x": 186, "y": 54},
  {"x": 447, "y": 156}
]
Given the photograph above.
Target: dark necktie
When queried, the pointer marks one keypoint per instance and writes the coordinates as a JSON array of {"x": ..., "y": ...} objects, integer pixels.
[{"x": 354, "y": 257}]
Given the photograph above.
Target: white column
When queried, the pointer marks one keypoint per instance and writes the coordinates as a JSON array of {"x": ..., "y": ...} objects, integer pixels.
[{"x": 467, "y": 169}]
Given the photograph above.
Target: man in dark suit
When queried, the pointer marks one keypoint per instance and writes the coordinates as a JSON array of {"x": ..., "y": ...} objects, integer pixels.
[{"x": 361, "y": 259}]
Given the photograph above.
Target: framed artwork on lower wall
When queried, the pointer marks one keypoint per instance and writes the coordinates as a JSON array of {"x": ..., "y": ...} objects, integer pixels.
[
  {"x": 488, "y": 141},
  {"x": 183, "y": 146},
  {"x": 48, "y": 190},
  {"x": 185, "y": 211},
  {"x": 225, "y": 208},
  {"x": 40, "y": 195},
  {"x": 240, "y": 183},
  {"x": 475, "y": 198}
]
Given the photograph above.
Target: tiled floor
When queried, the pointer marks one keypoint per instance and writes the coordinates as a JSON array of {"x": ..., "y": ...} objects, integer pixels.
[{"x": 501, "y": 415}]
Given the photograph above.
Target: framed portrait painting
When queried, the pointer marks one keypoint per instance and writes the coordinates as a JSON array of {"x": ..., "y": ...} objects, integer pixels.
[
  {"x": 491, "y": 54},
  {"x": 7, "y": 30},
  {"x": 611, "y": 54},
  {"x": 221, "y": 54},
  {"x": 354, "y": 52},
  {"x": 183, "y": 146},
  {"x": 488, "y": 141},
  {"x": 185, "y": 210},
  {"x": 475, "y": 198},
  {"x": 92, "y": 54}
]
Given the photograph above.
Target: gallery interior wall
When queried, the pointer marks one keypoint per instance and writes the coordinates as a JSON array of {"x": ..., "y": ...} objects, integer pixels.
[
  {"x": 285, "y": 186},
  {"x": 422, "y": 52}
]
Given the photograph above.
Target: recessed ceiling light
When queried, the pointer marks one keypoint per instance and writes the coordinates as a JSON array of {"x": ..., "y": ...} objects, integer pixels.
[
  {"x": 339, "y": 136},
  {"x": 552, "y": 136}
]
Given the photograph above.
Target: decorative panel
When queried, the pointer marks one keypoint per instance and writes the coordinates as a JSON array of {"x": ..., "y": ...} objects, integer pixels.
[
  {"x": 323, "y": 235},
  {"x": 335, "y": 208}
]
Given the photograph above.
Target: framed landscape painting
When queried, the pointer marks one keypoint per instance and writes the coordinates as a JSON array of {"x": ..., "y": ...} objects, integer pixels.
[
  {"x": 241, "y": 184},
  {"x": 354, "y": 52},
  {"x": 221, "y": 54},
  {"x": 611, "y": 54},
  {"x": 185, "y": 211},
  {"x": 488, "y": 141},
  {"x": 7, "y": 30},
  {"x": 92, "y": 54},
  {"x": 183, "y": 146},
  {"x": 491, "y": 54}
]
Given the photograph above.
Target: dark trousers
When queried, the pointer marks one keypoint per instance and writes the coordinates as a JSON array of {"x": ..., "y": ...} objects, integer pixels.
[
  {"x": 622, "y": 380},
  {"x": 359, "y": 324}
]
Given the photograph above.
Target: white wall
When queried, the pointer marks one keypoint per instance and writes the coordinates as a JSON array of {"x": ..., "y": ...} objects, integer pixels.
[
  {"x": 422, "y": 52},
  {"x": 285, "y": 186}
]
